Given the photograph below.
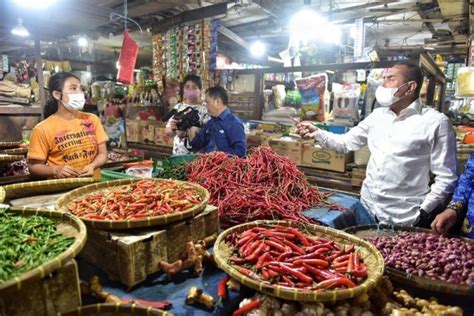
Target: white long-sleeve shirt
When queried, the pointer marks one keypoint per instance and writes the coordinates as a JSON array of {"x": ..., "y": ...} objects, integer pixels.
[{"x": 404, "y": 150}]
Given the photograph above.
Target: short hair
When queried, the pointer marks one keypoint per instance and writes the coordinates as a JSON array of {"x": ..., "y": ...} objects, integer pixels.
[
  {"x": 413, "y": 73},
  {"x": 218, "y": 92},
  {"x": 190, "y": 77}
]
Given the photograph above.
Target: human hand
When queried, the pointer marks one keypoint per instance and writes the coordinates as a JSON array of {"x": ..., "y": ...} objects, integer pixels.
[
  {"x": 174, "y": 123},
  {"x": 444, "y": 221},
  {"x": 88, "y": 171},
  {"x": 307, "y": 130},
  {"x": 65, "y": 171}
]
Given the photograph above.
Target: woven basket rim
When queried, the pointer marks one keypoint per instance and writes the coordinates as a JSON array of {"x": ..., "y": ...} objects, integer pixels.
[
  {"x": 45, "y": 184},
  {"x": 46, "y": 268},
  {"x": 150, "y": 221},
  {"x": 6, "y": 145},
  {"x": 10, "y": 158},
  {"x": 133, "y": 309},
  {"x": 297, "y": 294},
  {"x": 3, "y": 194},
  {"x": 414, "y": 280},
  {"x": 14, "y": 151}
]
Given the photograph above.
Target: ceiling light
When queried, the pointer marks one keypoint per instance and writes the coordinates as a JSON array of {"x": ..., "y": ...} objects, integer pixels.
[
  {"x": 257, "y": 49},
  {"x": 82, "y": 41},
  {"x": 308, "y": 25},
  {"x": 19, "y": 29},
  {"x": 35, "y": 4}
]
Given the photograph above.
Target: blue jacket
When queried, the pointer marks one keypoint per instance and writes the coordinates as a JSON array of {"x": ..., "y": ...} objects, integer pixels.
[
  {"x": 463, "y": 195},
  {"x": 223, "y": 133}
]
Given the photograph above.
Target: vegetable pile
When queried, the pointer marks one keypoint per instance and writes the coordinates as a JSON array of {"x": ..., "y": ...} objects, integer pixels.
[
  {"x": 382, "y": 300},
  {"x": 285, "y": 256},
  {"x": 137, "y": 200},
  {"x": 262, "y": 186},
  {"x": 428, "y": 255},
  {"x": 17, "y": 168},
  {"x": 27, "y": 242}
]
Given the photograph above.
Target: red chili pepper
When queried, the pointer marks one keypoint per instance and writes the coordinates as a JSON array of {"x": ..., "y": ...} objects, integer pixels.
[
  {"x": 254, "y": 256},
  {"x": 287, "y": 280},
  {"x": 301, "y": 276},
  {"x": 350, "y": 264},
  {"x": 248, "y": 307},
  {"x": 312, "y": 262},
  {"x": 249, "y": 273},
  {"x": 307, "y": 256},
  {"x": 361, "y": 272},
  {"x": 318, "y": 273},
  {"x": 264, "y": 258},
  {"x": 293, "y": 247},
  {"x": 222, "y": 287},
  {"x": 337, "y": 282},
  {"x": 238, "y": 261},
  {"x": 275, "y": 245}
]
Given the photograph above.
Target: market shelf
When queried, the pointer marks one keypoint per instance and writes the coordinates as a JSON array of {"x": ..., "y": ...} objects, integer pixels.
[
  {"x": 20, "y": 109},
  {"x": 150, "y": 150}
]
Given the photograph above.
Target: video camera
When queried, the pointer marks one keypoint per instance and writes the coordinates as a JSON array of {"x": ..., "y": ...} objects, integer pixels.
[{"x": 188, "y": 118}]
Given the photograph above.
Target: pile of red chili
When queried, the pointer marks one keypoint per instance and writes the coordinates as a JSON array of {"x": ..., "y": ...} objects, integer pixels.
[
  {"x": 285, "y": 256},
  {"x": 137, "y": 200},
  {"x": 262, "y": 186}
]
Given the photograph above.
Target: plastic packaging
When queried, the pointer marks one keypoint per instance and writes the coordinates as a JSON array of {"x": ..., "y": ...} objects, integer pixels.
[
  {"x": 465, "y": 86},
  {"x": 140, "y": 172},
  {"x": 313, "y": 96}
]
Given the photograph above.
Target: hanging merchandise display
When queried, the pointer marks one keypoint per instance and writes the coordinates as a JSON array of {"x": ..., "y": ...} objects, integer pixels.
[
  {"x": 183, "y": 50},
  {"x": 127, "y": 59},
  {"x": 465, "y": 82},
  {"x": 313, "y": 96}
]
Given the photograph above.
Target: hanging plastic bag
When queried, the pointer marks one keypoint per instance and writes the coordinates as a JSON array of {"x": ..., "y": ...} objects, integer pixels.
[{"x": 127, "y": 59}]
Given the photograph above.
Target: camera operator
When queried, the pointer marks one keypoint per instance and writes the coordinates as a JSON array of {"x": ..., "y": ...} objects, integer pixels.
[
  {"x": 190, "y": 92},
  {"x": 223, "y": 132}
]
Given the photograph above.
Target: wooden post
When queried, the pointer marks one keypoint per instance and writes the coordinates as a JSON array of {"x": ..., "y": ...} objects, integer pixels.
[{"x": 39, "y": 68}]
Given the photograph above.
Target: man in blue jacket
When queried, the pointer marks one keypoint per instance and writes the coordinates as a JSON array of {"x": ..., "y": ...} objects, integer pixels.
[
  {"x": 461, "y": 208},
  {"x": 223, "y": 132}
]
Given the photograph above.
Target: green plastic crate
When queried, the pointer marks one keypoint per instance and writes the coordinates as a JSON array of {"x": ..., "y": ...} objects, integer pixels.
[{"x": 109, "y": 175}]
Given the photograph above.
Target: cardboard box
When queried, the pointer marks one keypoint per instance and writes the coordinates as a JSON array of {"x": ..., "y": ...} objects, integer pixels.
[
  {"x": 130, "y": 256},
  {"x": 56, "y": 293},
  {"x": 146, "y": 131},
  {"x": 161, "y": 138},
  {"x": 316, "y": 157},
  {"x": 285, "y": 146},
  {"x": 132, "y": 131}
]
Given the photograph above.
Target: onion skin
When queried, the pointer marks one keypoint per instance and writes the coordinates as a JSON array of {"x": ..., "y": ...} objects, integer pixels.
[{"x": 428, "y": 255}]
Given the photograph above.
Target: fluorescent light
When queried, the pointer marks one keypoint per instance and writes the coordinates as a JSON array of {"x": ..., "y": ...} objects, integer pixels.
[
  {"x": 82, "y": 41},
  {"x": 35, "y": 4},
  {"x": 257, "y": 49},
  {"x": 308, "y": 25},
  {"x": 19, "y": 29}
]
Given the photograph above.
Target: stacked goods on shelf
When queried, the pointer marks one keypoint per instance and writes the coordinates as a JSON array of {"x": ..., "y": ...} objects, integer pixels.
[
  {"x": 10, "y": 92},
  {"x": 186, "y": 49}
]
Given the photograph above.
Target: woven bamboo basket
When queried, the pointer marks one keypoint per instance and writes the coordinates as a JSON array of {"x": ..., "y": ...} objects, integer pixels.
[
  {"x": 33, "y": 188},
  {"x": 3, "y": 193},
  {"x": 366, "y": 231},
  {"x": 5, "y": 145},
  {"x": 68, "y": 225},
  {"x": 116, "y": 310},
  {"x": 370, "y": 255},
  {"x": 14, "y": 151},
  {"x": 62, "y": 203},
  {"x": 10, "y": 158}
]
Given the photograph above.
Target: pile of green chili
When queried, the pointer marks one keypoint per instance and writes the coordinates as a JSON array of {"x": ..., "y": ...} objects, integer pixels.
[{"x": 27, "y": 242}]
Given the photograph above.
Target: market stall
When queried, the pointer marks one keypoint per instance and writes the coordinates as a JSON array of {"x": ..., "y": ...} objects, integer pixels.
[{"x": 133, "y": 229}]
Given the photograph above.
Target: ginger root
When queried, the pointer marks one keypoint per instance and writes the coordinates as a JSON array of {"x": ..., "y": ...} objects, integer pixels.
[
  {"x": 197, "y": 296},
  {"x": 190, "y": 259}
]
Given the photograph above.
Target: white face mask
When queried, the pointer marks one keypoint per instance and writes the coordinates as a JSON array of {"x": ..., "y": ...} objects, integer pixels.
[
  {"x": 76, "y": 101},
  {"x": 386, "y": 96}
]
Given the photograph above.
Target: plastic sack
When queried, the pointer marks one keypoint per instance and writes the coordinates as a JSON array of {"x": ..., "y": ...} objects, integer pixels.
[
  {"x": 127, "y": 59},
  {"x": 465, "y": 82},
  {"x": 313, "y": 96},
  {"x": 140, "y": 172},
  {"x": 346, "y": 103}
]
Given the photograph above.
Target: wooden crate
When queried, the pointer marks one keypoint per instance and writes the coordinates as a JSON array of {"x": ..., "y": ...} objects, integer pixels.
[
  {"x": 57, "y": 293},
  {"x": 129, "y": 257}
]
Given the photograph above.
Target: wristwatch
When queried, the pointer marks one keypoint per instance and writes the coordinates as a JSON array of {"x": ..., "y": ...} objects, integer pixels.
[{"x": 459, "y": 208}]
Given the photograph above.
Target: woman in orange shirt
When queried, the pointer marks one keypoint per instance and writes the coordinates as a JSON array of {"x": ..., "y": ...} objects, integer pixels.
[{"x": 68, "y": 143}]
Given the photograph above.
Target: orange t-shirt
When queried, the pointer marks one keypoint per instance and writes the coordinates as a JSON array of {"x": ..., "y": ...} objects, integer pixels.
[{"x": 72, "y": 142}]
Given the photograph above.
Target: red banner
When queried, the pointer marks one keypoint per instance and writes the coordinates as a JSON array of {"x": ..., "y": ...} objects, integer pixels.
[{"x": 127, "y": 59}]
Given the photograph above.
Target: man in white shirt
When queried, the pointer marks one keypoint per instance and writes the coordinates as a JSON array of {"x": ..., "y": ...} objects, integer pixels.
[{"x": 406, "y": 142}]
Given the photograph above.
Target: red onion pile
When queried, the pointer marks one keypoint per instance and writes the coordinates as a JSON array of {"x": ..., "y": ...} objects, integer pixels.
[{"x": 427, "y": 255}]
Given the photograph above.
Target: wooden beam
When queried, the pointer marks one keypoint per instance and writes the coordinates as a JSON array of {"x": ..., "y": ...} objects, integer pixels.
[
  {"x": 212, "y": 11},
  {"x": 233, "y": 36},
  {"x": 39, "y": 64}
]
